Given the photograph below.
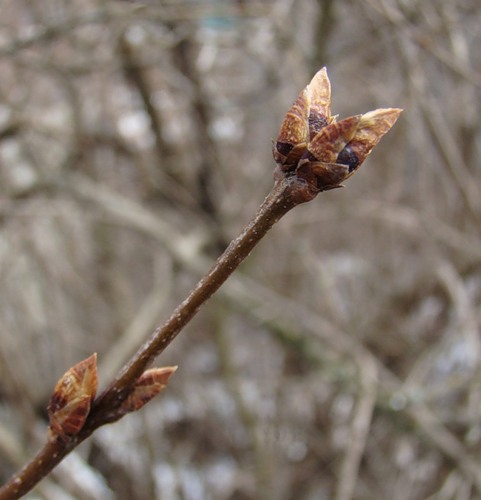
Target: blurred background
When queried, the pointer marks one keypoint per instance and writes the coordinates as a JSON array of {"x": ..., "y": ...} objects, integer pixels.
[{"x": 342, "y": 361}]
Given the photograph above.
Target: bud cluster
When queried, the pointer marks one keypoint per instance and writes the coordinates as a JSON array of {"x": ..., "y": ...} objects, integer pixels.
[{"x": 312, "y": 145}]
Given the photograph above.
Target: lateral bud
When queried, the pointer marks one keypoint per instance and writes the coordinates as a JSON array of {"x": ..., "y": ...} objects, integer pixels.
[
  {"x": 147, "y": 386},
  {"x": 72, "y": 398},
  {"x": 370, "y": 130}
]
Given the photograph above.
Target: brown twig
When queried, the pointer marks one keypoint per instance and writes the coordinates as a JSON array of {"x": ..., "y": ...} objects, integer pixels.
[
  {"x": 286, "y": 194},
  {"x": 313, "y": 153}
]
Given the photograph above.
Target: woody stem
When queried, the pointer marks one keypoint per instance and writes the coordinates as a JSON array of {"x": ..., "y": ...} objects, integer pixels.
[{"x": 285, "y": 195}]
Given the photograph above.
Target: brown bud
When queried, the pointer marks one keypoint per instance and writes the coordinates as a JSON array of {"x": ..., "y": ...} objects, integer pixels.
[
  {"x": 317, "y": 149},
  {"x": 72, "y": 397},
  {"x": 372, "y": 126},
  {"x": 293, "y": 135},
  {"x": 148, "y": 385},
  {"x": 310, "y": 113}
]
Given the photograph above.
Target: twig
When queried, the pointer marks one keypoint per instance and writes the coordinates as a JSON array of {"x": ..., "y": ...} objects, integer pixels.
[
  {"x": 283, "y": 197},
  {"x": 313, "y": 153},
  {"x": 361, "y": 424},
  {"x": 262, "y": 460}
]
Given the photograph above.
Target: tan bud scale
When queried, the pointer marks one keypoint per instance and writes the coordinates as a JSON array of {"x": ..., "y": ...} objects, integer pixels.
[
  {"x": 372, "y": 127},
  {"x": 319, "y": 90},
  {"x": 332, "y": 139},
  {"x": 72, "y": 398},
  {"x": 147, "y": 386}
]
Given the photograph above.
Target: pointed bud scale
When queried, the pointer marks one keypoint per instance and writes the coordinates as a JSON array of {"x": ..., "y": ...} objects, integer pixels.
[
  {"x": 72, "y": 398},
  {"x": 372, "y": 127},
  {"x": 331, "y": 140},
  {"x": 148, "y": 385},
  {"x": 319, "y": 90},
  {"x": 293, "y": 135}
]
